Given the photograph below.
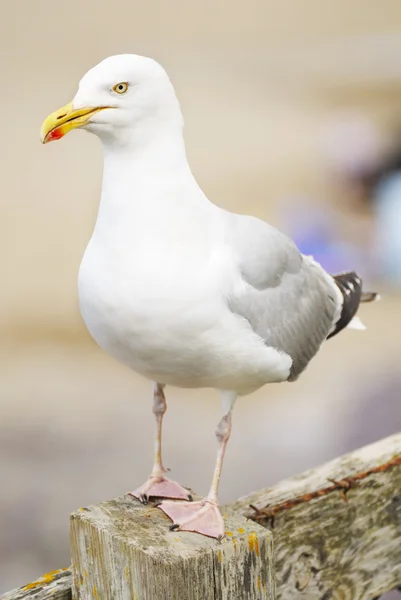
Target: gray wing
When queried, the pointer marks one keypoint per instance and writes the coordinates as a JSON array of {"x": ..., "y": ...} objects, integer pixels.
[{"x": 287, "y": 298}]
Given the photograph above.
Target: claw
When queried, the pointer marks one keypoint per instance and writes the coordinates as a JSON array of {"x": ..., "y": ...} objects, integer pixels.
[{"x": 160, "y": 487}]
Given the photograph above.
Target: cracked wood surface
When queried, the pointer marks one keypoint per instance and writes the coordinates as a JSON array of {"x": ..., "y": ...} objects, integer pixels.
[
  {"x": 55, "y": 585},
  {"x": 336, "y": 532},
  {"x": 124, "y": 550},
  {"x": 337, "y": 528}
]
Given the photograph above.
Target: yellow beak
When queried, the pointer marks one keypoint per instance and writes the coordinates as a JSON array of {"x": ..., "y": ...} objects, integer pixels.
[{"x": 63, "y": 120}]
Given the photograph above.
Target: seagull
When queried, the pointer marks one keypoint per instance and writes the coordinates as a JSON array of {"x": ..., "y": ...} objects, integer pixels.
[{"x": 176, "y": 288}]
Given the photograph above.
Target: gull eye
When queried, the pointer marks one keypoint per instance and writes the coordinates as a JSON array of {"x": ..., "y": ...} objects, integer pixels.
[{"x": 120, "y": 88}]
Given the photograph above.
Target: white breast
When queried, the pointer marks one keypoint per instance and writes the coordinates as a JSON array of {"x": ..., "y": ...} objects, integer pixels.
[
  {"x": 147, "y": 307},
  {"x": 172, "y": 325}
]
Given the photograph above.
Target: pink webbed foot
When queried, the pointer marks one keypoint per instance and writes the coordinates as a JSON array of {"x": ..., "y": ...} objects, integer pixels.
[
  {"x": 161, "y": 487},
  {"x": 202, "y": 517}
]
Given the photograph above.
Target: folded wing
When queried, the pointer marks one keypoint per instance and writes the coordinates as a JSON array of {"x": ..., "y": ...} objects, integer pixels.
[{"x": 288, "y": 299}]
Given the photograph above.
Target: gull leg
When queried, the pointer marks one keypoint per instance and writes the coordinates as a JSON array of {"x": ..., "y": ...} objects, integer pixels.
[
  {"x": 204, "y": 517},
  {"x": 157, "y": 485}
]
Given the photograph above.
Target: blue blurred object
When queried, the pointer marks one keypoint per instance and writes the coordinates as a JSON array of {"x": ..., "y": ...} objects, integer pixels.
[
  {"x": 316, "y": 233},
  {"x": 387, "y": 207}
]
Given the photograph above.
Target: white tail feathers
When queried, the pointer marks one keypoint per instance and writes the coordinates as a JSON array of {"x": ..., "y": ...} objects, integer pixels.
[{"x": 356, "y": 323}]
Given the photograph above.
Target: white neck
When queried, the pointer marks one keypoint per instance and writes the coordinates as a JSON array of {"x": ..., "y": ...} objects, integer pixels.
[
  {"x": 145, "y": 147},
  {"x": 147, "y": 182}
]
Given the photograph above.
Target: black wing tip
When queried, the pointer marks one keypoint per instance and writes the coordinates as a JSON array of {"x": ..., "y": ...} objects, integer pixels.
[
  {"x": 350, "y": 286},
  {"x": 348, "y": 277}
]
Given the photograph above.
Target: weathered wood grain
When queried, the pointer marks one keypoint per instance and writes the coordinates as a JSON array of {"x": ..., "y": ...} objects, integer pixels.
[
  {"x": 337, "y": 529},
  {"x": 52, "y": 586},
  {"x": 124, "y": 550}
]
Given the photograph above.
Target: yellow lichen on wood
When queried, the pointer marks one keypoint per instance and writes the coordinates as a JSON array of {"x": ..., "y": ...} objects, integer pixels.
[
  {"x": 253, "y": 543},
  {"x": 133, "y": 557},
  {"x": 337, "y": 528},
  {"x": 46, "y": 578},
  {"x": 324, "y": 547},
  {"x": 54, "y": 585}
]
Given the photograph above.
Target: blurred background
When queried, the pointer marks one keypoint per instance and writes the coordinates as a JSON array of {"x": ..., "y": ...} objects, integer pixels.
[{"x": 293, "y": 114}]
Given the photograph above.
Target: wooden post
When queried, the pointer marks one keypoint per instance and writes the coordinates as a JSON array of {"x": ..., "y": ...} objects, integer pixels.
[
  {"x": 122, "y": 550},
  {"x": 55, "y": 585},
  {"x": 337, "y": 535},
  {"x": 337, "y": 528}
]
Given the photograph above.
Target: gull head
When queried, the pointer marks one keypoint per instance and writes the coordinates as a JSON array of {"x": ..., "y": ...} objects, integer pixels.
[{"x": 119, "y": 98}]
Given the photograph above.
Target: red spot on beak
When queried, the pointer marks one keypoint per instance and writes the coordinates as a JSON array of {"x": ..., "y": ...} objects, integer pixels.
[{"x": 55, "y": 134}]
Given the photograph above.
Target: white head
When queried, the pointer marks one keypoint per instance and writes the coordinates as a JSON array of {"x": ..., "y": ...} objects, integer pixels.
[{"x": 118, "y": 99}]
